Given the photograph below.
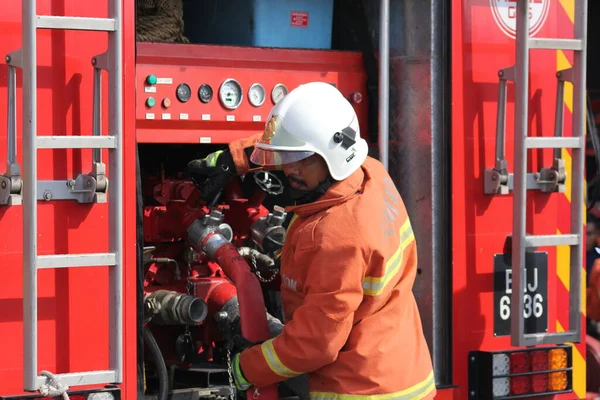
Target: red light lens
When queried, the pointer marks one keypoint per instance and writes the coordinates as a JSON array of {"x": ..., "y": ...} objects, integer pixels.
[
  {"x": 539, "y": 383},
  {"x": 539, "y": 361},
  {"x": 519, "y": 385},
  {"x": 519, "y": 362}
]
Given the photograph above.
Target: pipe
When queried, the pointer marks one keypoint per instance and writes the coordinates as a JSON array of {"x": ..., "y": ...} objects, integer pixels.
[
  {"x": 384, "y": 81},
  {"x": 174, "y": 308}
]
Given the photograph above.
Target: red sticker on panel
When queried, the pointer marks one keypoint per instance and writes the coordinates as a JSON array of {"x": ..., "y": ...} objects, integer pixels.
[{"x": 299, "y": 18}]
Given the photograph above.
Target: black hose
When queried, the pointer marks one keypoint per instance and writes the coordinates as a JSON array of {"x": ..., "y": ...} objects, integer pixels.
[{"x": 159, "y": 362}]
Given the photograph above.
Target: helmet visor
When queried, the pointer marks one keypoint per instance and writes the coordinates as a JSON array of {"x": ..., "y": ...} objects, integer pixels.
[{"x": 272, "y": 157}]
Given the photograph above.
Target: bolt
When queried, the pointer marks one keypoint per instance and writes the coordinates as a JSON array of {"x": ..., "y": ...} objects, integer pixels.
[
  {"x": 71, "y": 183},
  {"x": 7, "y": 58},
  {"x": 88, "y": 184},
  {"x": 47, "y": 195},
  {"x": 94, "y": 61},
  {"x": 552, "y": 175},
  {"x": 500, "y": 73},
  {"x": 495, "y": 177},
  {"x": 3, "y": 185},
  {"x": 221, "y": 315}
]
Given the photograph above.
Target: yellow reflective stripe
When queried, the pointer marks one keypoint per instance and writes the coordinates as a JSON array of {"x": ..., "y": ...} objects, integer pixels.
[
  {"x": 416, "y": 392},
  {"x": 373, "y": 286},
  {"x": 274, "y": 362},
  {"x": 294, "y": 218}
]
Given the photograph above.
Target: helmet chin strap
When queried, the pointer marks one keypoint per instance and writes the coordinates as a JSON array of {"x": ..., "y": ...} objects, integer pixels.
[{"x": 308, "y": 196}]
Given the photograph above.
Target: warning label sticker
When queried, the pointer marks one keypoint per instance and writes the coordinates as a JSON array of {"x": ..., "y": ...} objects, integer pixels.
[{"x": 299, "y": 18}]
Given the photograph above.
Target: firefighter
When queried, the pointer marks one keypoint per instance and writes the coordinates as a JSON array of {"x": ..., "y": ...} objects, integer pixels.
[{"x": 348, "y": 263}]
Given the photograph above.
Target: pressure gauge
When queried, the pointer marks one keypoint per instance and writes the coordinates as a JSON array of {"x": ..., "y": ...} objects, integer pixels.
[
  {"x": 278, "y": 93},
  {"x": 231, "y": 94},
  {"x": 205, "y": 93},
  {"x": 183, "y": 92},
  {"x": 257, "y": 95}
]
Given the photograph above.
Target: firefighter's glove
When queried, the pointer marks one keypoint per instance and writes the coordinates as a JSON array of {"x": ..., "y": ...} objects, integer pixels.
[
  {"x": 212, "y": 173},
  {"x": 238, "y": 376},
  {"x": 236, "y": 344}
]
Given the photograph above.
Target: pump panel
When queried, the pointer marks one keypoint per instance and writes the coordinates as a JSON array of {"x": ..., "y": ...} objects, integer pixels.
[{"x": 212, "y": 94}]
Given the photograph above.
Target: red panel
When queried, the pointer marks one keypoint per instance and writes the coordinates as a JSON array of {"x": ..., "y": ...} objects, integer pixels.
[
  {"x": 481, "y": 223},
  {"x": 129, "y": 387},
  {"x": 447, "y": 394},
  {"x": 197, "y": 122},
  {"x": 73, "y": 304}
]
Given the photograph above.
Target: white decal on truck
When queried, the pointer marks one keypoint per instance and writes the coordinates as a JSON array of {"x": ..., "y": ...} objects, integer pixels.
[{"x": 505, "y": 15}]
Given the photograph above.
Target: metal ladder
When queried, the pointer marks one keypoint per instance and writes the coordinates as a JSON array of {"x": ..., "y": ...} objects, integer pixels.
[
  {"x": 499, "y": 181},
  {"x": 85, "y": 188}
]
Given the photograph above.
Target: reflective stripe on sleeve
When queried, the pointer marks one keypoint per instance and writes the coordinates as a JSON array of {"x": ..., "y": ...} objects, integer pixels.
[
  {"x": 373, "y": 286},
  {"x": 274, "y": 362},
  {"x": 416, "y": 392}
]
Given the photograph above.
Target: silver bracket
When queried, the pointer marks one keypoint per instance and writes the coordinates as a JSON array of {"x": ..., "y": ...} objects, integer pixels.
[
  {"x": 11, "y": 184},
  {"x": 552, "y": 179},
  {"x": 548, "y": 180},
  {"x": 100, "y": 61},
  {"x": 496, "y": 180},
  {"x": 83, "y": 189}
]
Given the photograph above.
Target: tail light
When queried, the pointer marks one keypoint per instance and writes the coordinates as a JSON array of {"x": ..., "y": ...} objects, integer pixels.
[{"x": 514, "y": 374}]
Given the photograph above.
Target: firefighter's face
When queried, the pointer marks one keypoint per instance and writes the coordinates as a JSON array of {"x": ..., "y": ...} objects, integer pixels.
[{"x": 306, "y": 174}]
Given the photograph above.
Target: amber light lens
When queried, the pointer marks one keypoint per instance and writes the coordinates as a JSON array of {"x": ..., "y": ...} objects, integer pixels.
[{"x": 557, "y": 359}]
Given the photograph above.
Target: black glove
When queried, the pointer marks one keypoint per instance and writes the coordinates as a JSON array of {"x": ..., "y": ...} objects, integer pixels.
[{"x": 211, "y": 174}]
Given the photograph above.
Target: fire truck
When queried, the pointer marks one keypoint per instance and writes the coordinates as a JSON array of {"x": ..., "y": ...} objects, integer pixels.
[{"x": 121, "y": 282}]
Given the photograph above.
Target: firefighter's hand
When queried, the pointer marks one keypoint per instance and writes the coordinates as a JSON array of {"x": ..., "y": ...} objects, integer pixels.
[{"x": 212, "y": 173}]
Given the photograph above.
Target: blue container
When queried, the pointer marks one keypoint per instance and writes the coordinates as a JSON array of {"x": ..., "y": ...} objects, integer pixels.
[{"x": 303, "y": 24}]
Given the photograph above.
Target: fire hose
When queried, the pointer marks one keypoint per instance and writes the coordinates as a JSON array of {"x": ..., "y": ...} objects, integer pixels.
[{"x": 212, "y": 237}]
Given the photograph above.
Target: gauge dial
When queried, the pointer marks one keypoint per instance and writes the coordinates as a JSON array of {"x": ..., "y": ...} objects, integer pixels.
[
  {"x": 205, "y": 93},
  {"x": 278, "y": 93},
  {"x": 231, "y": 94},
  {"x": 184, "y": 93},
  {"x": 257, "y": 95}
]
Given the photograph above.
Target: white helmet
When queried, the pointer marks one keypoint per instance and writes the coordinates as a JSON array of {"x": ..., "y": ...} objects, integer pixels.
[{"x": 313, "y": 118}]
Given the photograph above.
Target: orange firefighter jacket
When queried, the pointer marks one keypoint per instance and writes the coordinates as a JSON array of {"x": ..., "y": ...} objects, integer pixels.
[{"x": 351, "y": 320}]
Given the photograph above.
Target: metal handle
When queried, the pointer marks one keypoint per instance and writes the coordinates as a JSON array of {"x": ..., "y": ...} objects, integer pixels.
[
  {"x": 11, "y": 130},
  {"x": 562, "y": 77},
  {"x": 97, "y": 110},
  {"x": 504, "y": 75}
]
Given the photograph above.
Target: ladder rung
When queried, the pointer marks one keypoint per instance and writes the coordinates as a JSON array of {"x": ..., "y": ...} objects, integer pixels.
[
  {"x": 76, "y": 260},
  {"x": 82, "y": 378},
  {"x": 551, "y": 240},
  {"x": 76, "y": 23},
  {"x": 554, "y": 142},
  {"x": 556, "y": 44},
  {"x": 76, "y": 142}
]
